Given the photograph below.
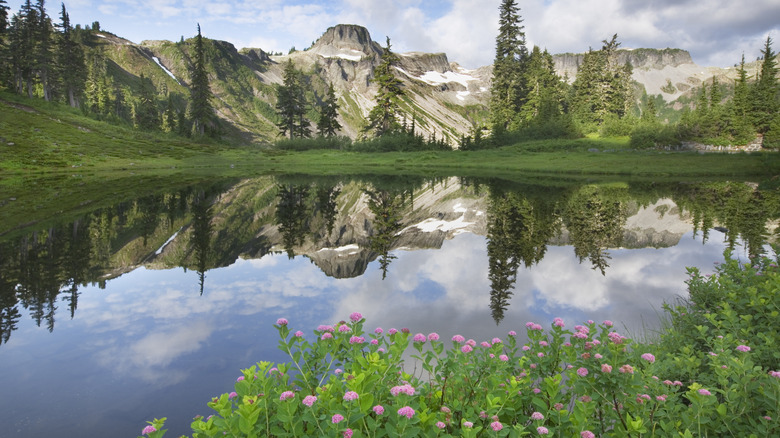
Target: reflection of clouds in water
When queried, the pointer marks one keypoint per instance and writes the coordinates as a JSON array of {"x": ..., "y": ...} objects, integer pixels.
[
  {"x": 149, "y": 357},
  {"x": 631, "y": 293}
]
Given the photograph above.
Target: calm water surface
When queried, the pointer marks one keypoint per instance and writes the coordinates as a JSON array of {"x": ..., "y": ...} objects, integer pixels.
[{"x": 151, "y": 308}]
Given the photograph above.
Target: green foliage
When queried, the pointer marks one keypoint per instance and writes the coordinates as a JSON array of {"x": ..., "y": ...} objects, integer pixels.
[
  {"x": 201, "y": 112},
  {"x": 328, "y": 123},
  {"x": 508, "y": 91}
]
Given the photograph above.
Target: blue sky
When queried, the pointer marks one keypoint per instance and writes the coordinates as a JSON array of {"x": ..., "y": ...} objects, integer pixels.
[{"x": 716, "y": 32}]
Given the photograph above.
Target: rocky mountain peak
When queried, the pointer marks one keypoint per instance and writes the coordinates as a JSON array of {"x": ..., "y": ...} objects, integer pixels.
[{"x": 348, "y": 41}]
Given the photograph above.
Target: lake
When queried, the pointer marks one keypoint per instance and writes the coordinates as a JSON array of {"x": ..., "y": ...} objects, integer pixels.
[{"x": 150, "y": 307}]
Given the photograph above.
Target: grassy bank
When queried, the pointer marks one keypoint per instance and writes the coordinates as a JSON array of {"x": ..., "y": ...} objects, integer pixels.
[{"x": 40, "y": 138}]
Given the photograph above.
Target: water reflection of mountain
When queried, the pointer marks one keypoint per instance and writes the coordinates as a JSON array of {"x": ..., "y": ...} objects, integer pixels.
[{"x": 343, "y": 226}]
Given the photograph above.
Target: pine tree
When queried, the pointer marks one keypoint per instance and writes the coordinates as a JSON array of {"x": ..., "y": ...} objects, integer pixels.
[
  {"x": 508, "y": 92},
  {"x": 764, "y": 93},
  {"x": 42, "y": 58},
  {"x": 71, "y": 69},
  {"x": 201, "y": 111},
  {"x": 22, "y": 47},
  {"x": 383, "y": 117},
  {"x": 291, "y": 103},
  {"x": 4, "y": 56},
  {"x": 145, "y": 115},
  {"x": 328, "y": 123}
]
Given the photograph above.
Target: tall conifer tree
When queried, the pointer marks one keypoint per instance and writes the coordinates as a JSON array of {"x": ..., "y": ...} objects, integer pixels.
[
  {"x": 201, "y": 111},
  {"x": 383, "y": 117},
  {"x": 291, "y": 103},
  {"x": 71, "y": 69},
  {"x": 328, "y": 123},
  {"x": 508, "y": 90},
  {"x": 765, "y": 90}
]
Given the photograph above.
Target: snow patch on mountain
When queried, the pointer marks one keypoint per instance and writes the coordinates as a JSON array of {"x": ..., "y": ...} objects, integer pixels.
[{"x": 157, "y": 61}]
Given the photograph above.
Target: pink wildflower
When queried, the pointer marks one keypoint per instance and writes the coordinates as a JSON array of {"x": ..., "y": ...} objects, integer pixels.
[
  {"x": 337, "y": 418},
  {"x": 286, "y": 395},
  {"x": 526, "y": 348},
  {"x": 667, "y": 382},
  {"x": 587, "y": 434},
  {"x": 512, "y": 333},
  {"x": 472, "y": 342},
  {"x": 325, "y": 328},
  {"x": 355, "y": 316},
  {"x": 582, "y": 372},
  {"x": 775, "y": 374},
  {"x": 406, "y": 411},
  {"x": 281, "y": 321},
  {"x": 392, "y": 331},
  {"x": 608, "y": 323},
  {"x": 536, "y": 327},
  {"x": 540, "y": 354},
  {"x": 597, "y": 356},
  {"x": 648, "y": 357},
  {"x": 485, "y": 344},
  {"x": 743, "y": 348},
  {"x": 440, "y": 424},
  {"x": 529, "y": 324},
  {"x": 541, "y": 430},
  {"x": 148, "y": 429},
  {"x": 446, "y": 410},
  {"x": 495, "y": 341},
  {"x": 379, "y": 409},
  {"x": 374, "y": 342},
  {"x": 466, "y": 348},
  {"x": 348, "y": 433},
  {"x": 605, "y": 368},
  {"x": 326, "y": 336},
  {"x": 240, "y": 378},
  {"x": 496, "y": 426},
  {"x": 419, "y": 337},
  {"x": 558, "y": 322},
  {"x": 433, "y": 337},
  {"x": 299, "y": 334},
  {"x": 543, "y": 343},
  {"x": 661, "y": 397},
  {"x": 338, "y": 371},
  {"x": 468, "y": 424},
  {"x": 232, "y": 395},
  {"x": 378, "y": 330},
  {"x": 627, "y": 369},
  {"x": 537, "y": 390},
  {"x": 309, "y": 400},
  {"x": 537, "y": 416},
  {"x": 704, "y": 392},
  {"x": 344, "y": 329},
  {"x": 504, "y": 358},
  {"x": 767, "y": 418},
  {"x": 458, "y": 339},
  {"x": 356, "y": 340},
  {"x": 402, "y": 389},
  {"x": 677, "y": 383},
  {"x": 350, "y": 395}
]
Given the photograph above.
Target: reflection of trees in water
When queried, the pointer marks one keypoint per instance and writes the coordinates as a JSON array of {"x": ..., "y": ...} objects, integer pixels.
[
  {"x": 386, "y": 207},
  {"x": 47, "y": 266},
  {"x": 293, "y": 215},
  {"x": 326, "y": 207},
  {"x": 594, "y": 217},
  {"x": 201, "y": 236},
  {"x": 738, "y": 208},
  {"x": 518, "y": 232}
]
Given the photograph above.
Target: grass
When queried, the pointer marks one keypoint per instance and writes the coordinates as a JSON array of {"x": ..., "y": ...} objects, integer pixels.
[{"x": 39, "y": 138}]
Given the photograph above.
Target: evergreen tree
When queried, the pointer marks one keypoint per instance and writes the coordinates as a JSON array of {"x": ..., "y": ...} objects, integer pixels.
[
  {"x": 328, "y": 123},
  {"x": 71, "y": 69},
  {"x": 42, "y": 57},
  {"x": 383, "y": 117},
  {"x": 4, "y": 56},
  {"x": 602, "y": 86},
  {"x": 764, "y": 94},
  {"x": 169, "y": 115},
  {"x": 508, "y": 91},
  {"x": 22, "y": 47},
  {"x": 201, "y": 111},
  {"x": 145, "y": 115},
  {"x": 291, "y": 103}
]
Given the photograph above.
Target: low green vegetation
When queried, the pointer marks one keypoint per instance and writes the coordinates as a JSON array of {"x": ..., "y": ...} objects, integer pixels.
[{"x": 712, "y": 371}]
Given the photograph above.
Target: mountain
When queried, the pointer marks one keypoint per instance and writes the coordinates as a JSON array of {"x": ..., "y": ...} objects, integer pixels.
[{"x": 445, "y": 99}]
